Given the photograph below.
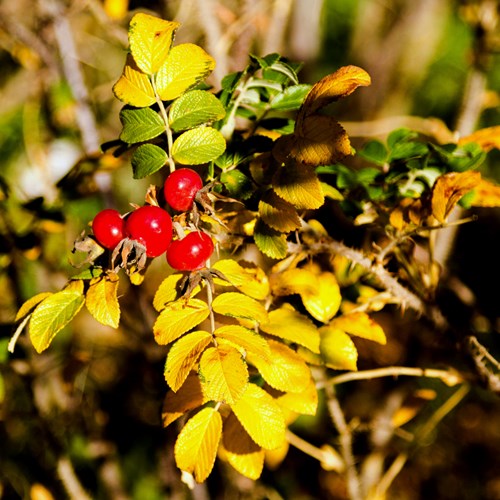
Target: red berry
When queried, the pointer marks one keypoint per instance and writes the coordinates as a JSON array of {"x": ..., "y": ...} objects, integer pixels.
[
  {"x": 108, "y": 228},
  {"x": 152, "y": 227},
  {"x": 190, "y": 253},
  {"x": 181, "y": 187}
]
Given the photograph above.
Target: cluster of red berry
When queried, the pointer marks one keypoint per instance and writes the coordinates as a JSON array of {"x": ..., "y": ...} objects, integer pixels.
[{"x": 151, "y": 225}]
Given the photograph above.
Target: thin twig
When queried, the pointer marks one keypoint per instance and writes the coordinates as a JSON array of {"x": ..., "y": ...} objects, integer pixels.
[{"x": 71, "y": 483}]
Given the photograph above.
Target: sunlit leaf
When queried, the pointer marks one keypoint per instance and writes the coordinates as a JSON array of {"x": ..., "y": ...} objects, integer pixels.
[
  {"x": 261, "y": 417},
  {"x": 332, "y": 87},
  {"x": 269, "y": 241},
  {"x": 186, "y": 66},
  {"x": 278, "y": 213},
  {"x": 102, "y": 300},
  {"x": 337, "y": 349},
  {"x": 274, "y": 458},
  {"x": 199, "y": 145},
  {"x": 291, "y": 98},
  {"x": 240, "y": 450},
  {"x": 486, "y": 194},
  {"x": 194, "y": 108},
  {"x": 251, "y": 281},
  {"x": 183, "y": 355},
  {"x": 360, "y": 325},
  {"x": 51, "y": 315},
  {"x": 287, "y": 323},
  {"x": 140, "y": 125},
  {"x": 449, "y": 188},
  {"x": 188, "y": 397},
  {"x": 293, "y": 281},
  {"x": 178, "y": 318},
  {"x": 133, "y": 87},
  {"x": 488, "y": 138},
  {"x": 30, "y": 305},
  {"x": 299, "y": 185},
  {"x": 249, "y": 340},
  {"x": 147, "y": 159},
  {"x": 239, "y": 306},
  {"x": 285, "y": 371},
  {"x": 223, "y": 373},
  {"x": 196, "y": 446},
  {"x": 305, "y": 402},
  {"x": 150, "y": 41},
  {"x": 167, "y": 291},
  {"x": 324, "y": 302}
]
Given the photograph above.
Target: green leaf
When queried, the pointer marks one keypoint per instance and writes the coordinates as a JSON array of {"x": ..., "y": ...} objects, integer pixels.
[
  {"x": 375, "y": 152},
  {"x": 148, "y": 159},
  {"x": 237, "y": 184},
  {"x": 270, "y": 242},
  {"x": 199, "y": 145},
  {"x": 195, "y": 108},
  {"x": 400, "y": 135},
  {"x": 291, "y": 98},
  {"x": 140, "y": 125},
  {"x": 407, "y": 150},
  {"x": 52, "y": 315}
]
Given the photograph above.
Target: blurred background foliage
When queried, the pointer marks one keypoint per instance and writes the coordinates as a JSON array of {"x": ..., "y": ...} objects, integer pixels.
[{"x": 83, "y": 419}]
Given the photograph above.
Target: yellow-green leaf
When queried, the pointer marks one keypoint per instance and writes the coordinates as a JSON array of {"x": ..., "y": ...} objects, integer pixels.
[
  {"x": 337, "y": 349},
  {"x": 249, "y": 340},
  {"x": 196, "y": 446},
  {"x": 239, "y": 305},
  {"x": 150, "y": 41},
  {"x": 251, "y": 281},
  {"x": 305, "y": 402},
  {"x": 223, "y": 373},
  {"x": 449, "y": 188},
  {"x": 167, "y": 291},
  {"x": 183, "y": 356},
  {"x": 287, "y": 323},
  {"x": 30, "y": 305},
  {"x": 102, "y": 300},
  {"x": 332, "y": 87},
  {"x": 240, "y": 450},
  {"x": 178, "y": 318},
  {"x": 186, "y": 66},
  {"x": 261, "y": 417},
  {"x": 133, "y": 87},
  {"x": 285, "y": 371},
  {"x": 188, "y": 397},
  {"x": 269, "y": 241},
  {"x": 299, "y": 185},
  {"x": 51, "y": 315},
  {"x": 360, "y": 325},
  {"x": 198, "y": 145},
  {"x": 294, "y": 280},
  {"x": 486, "y": 194},
  {"x": 324, "y": 302},
  {"x": 278, "y": 213}
]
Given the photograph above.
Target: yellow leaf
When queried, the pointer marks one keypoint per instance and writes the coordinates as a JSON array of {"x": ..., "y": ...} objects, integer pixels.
[
  {"x": 196, "y": 446},
  {"x": 261, "y": 417},
  {"x": 249, "y": 340},
  {"x": 133, "y": 87},
  {"x": 251, "y": 281},
  {"x": 320, "y": 140},
  {"x": 186, "y": 66},
  {"x": 360, "y": 325},
  {"x": 39, "y": 492},
  {"x": 305, "y": 402},
  {"x": 240, "y": 306},
  {"x": 488, "y": 138},
  {"x": 486, "y": 194},
  {"x": 116, "y": 9},
  {"x": 278, "y": 213},
  {"x": 183, "y": 356},
  {"x": 324, "y": 302},
  {"x": 74, "y": 286},
  {"x": 102, "y": 300},
  {"x": 150, "y": 41},
  {"x": 223, "y": 373},
  {"x": 292, "y": 281},
  {"x": 337, "y": 349},
  {"x": 240, "y": 450},
  {"x": 299, "y": 185},
  {"x": 285, "y": 371},
  {"x": 449, "y": 188},
  {"x": 274, "y": 458},
  {"x": 188, "y": 397},
  {"x": 30, "y": 305},
  {"x": 178, "y": 318},
  {"x": 167, "y": 291},
  {"x": 289, "y": 324}
]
